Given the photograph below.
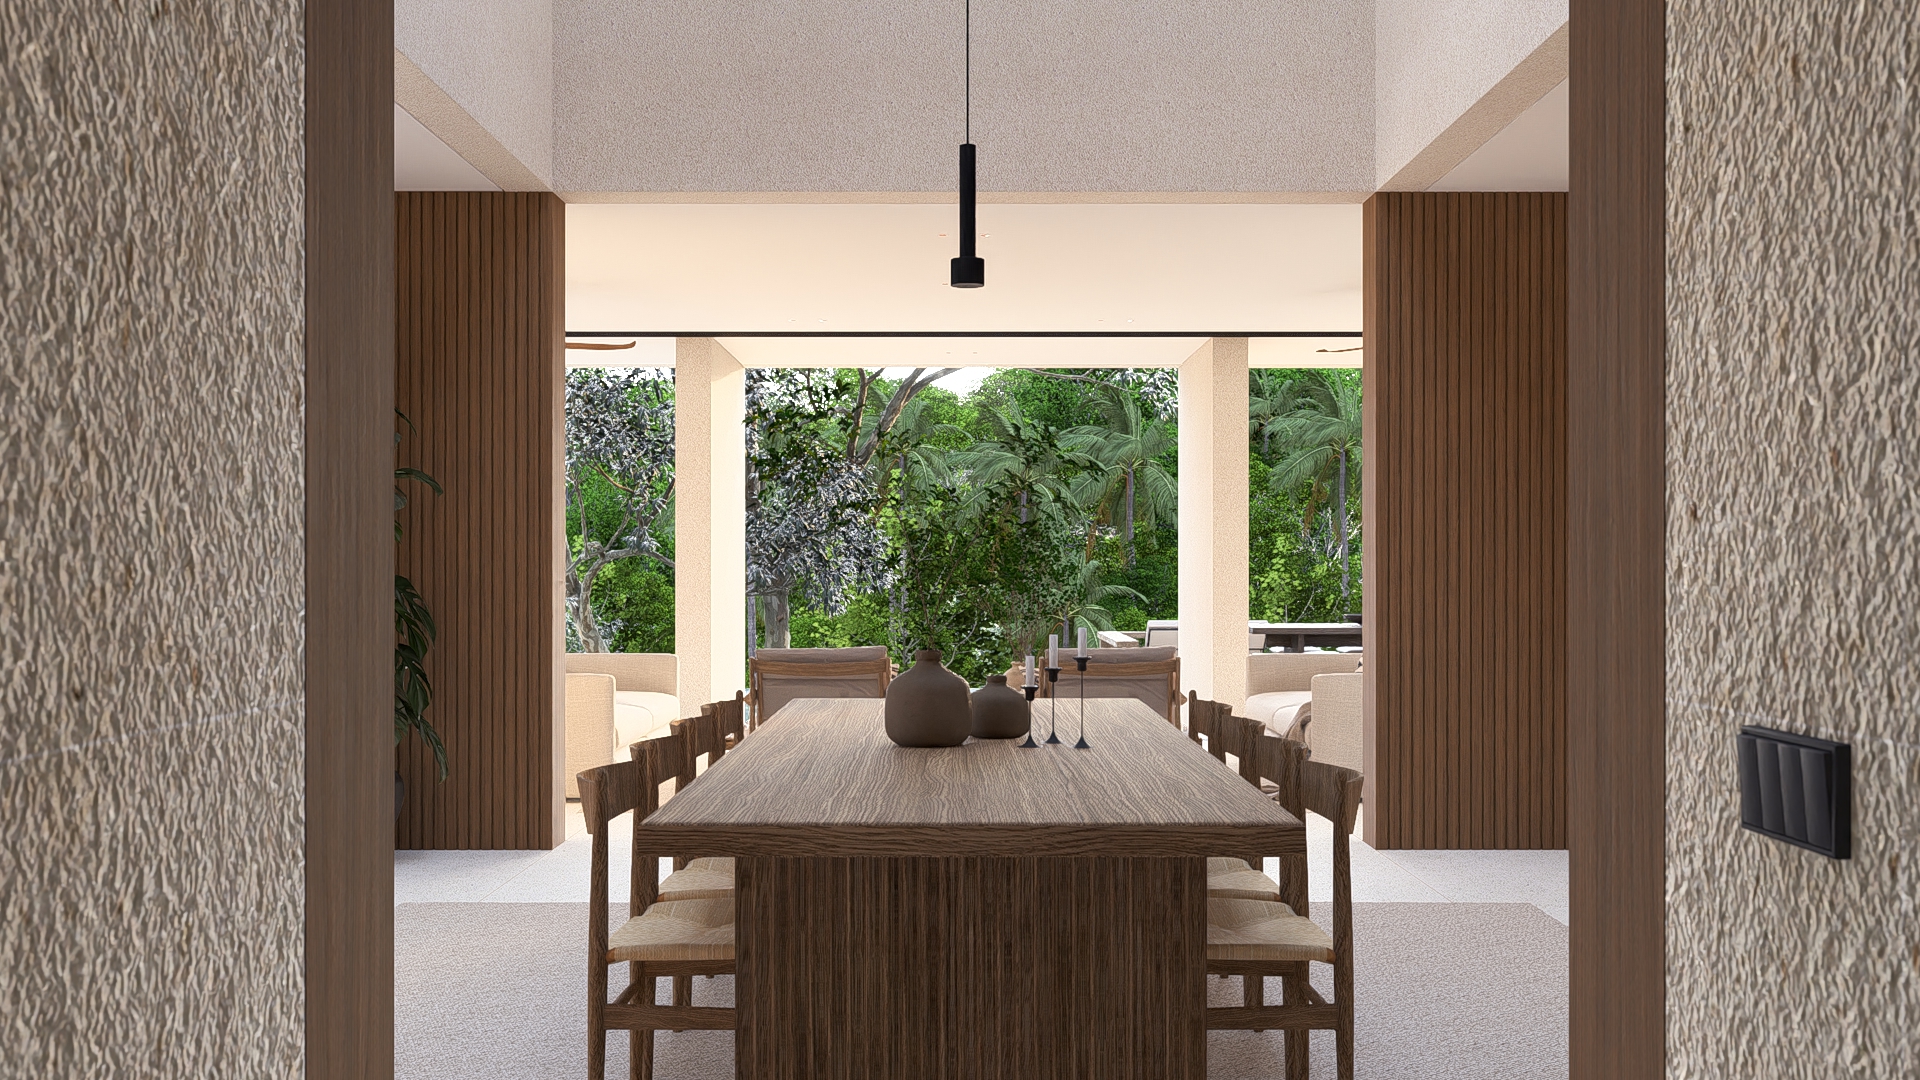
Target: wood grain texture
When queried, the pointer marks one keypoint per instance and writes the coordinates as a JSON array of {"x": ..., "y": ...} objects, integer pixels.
[
  {"x": 1466, "y": 560},
  {"x": 348, "y": 973},
  {"x": 823, "y": 780},
  {"x": 1616, "y": 516},
  {"x": 975, "y": 968},
  {"x": 479, "y": 371}
]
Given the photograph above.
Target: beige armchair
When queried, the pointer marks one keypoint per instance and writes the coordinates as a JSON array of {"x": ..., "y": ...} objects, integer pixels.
[
  {"x": 1334, "y": 728},
  {"x": 613, "y": 701},
  {"x": 1279, "y": 683}
]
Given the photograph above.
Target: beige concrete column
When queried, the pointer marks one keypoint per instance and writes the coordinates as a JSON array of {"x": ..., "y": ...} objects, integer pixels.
[
  {"x": 710, "y": 521},
  {"x": 1213, "y": 521}
]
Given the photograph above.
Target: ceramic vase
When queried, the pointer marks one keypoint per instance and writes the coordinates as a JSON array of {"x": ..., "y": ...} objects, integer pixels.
[
  {"x": 927, "y": 705},
  {"x": 999, "y": 711}
]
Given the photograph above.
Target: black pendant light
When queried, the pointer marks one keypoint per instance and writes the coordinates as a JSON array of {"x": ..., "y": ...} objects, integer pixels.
[{"x": 969, "y": 270}]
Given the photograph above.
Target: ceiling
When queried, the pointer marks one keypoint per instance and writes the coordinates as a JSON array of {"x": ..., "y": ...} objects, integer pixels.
[
  {"x": 421, "y": 162},
  {"x": 782, "y": 169},
  {"x": 1529, "y": 154}
]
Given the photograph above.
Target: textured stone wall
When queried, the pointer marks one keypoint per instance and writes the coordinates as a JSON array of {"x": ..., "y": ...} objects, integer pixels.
[
  {"x": 151, "y": 577},
  {"x": 1793, "y": 458}
]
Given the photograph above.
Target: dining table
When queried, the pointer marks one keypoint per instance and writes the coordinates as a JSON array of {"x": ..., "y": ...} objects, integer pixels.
[
  {"x": 979, "y": 911},
  {"x": 1295, "y": 637}
]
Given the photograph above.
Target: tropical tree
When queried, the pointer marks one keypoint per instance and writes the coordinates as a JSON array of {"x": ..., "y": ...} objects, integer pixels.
[
  {"x": 1319, "y": 448},
  {"x": 1021, "y": 460},
  {"x": 1272, "y": 394},
  {"x": 619, "y": 480},
  {"x": 810, "y": 503},
  {"x": 1132, "y": 481},
  {"x": 1088, "y": 599}
]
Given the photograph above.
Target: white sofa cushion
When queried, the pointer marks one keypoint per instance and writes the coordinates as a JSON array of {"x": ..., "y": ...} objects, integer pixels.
[
  {"x": 638, "y": 715},
  {"x": 1275, "y": 708}
]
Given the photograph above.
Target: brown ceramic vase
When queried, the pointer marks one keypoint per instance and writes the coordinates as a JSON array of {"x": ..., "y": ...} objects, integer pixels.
[
  {"x": 927, "y": 705},
  {"x": 999, "y": 711}
]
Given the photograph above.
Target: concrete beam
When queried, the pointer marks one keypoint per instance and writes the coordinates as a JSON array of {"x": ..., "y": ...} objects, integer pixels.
[
  {"x": 1213, "y": 521},
  {"x": 710, "y": 521}
]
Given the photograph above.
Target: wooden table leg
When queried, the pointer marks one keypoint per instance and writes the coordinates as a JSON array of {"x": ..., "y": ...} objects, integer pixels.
[{"x": 971, "y": 968}]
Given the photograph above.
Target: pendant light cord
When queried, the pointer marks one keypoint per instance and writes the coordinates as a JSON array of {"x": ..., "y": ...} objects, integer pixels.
[{"x": 969, "y": 137}]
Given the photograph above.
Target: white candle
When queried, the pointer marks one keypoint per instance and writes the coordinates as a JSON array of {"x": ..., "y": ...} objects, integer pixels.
[
  {"x": 1033, "y": 677},
  {"x": 1053, "y": 650},
  {"x": 1083, "y": 642}
]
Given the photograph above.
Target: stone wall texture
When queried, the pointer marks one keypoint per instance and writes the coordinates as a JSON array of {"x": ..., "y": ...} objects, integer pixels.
[
  {"x": 151, "y": 544},
  {"x": 1793, "y": 537}
]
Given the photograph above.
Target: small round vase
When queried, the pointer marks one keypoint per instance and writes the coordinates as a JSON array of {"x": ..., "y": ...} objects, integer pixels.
[
  {"x": 927, "y": 705},
  {"x": 999, "y": 711}
]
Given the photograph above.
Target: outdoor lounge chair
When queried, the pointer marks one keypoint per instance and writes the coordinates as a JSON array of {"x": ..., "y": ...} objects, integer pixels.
[{"x": 777, "y": 676}]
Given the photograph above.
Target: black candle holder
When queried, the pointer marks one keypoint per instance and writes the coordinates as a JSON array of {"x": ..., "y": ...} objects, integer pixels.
[
  {"x": 1081, "y": 663},
  {"x": 1053, "y": 707},
  {"x": 1030, "y": 689}
]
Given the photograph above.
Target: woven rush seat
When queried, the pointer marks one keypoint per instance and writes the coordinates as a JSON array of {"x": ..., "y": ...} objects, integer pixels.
[
  {"x": 676, "y": 930},
  {"x": 1234, "y": 879},
  {"x": 1263, "y": 930},
  {"x": 710, "y": 878}
]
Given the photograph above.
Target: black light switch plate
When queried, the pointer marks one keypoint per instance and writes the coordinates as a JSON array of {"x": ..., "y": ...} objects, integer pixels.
[{"x": 1797, "y": 789}]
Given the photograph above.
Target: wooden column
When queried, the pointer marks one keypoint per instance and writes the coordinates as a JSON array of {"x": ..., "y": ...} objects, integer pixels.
[
  {"x": 348, "y": 661},
  {"x": 479, "y": 371},
  {"x": 1213, "y": 521},
  {"x": 1616, "y": 518},
  {"x": 1465, "y": 387}
]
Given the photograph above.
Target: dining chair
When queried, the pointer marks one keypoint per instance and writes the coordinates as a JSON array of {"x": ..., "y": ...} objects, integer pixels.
[
  {"x": 1272, "y": 764},
  {"x": 1203, "y": 723},
  {"x": 777, "y": 676},
  {"x": 659, "y": 938},
  {"x": 732, "y": 713},
  {"x": 1147, "y": 675},
  {"x": 1256, "y": 939},
  {"x": 708, "y": 877}
]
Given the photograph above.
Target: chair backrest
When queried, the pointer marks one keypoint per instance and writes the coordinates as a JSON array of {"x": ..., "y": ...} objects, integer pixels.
[
  {"x": 1239, "y": 737},
  {"x": 1203, "y": 721},
  {"x": 1334, "y": 793},
  {"x": 1278, "y": 761},
  {"x": 733, "y": 716},
  {"x": 777, "y": 676},
  {"x": 1225, "y": 734},
  {"x": 621, "y": 788},
  {"x": 1148, "y": 675},
  {"x": 703, "y": 734}
]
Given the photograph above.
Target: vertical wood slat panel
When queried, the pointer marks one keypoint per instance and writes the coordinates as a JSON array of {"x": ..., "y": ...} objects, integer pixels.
[
  {"x": 478, "y": 371},
  {"x": 1467, "y": 652}
]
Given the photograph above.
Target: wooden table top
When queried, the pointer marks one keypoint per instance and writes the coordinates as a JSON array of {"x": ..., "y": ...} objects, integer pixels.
[{"x": 820, "y": 778}]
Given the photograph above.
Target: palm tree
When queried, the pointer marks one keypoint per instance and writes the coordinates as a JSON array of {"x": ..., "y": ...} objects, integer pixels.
[
  {"x": 1128, "y": 449},
  {"x": 1273, "y": 394},
  {"x": 912, "y": 449},
  {"x": 1320, "y": 442},
  {"x": 1021, "y": 457},
  {"x": 1087, "y": 600}
]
